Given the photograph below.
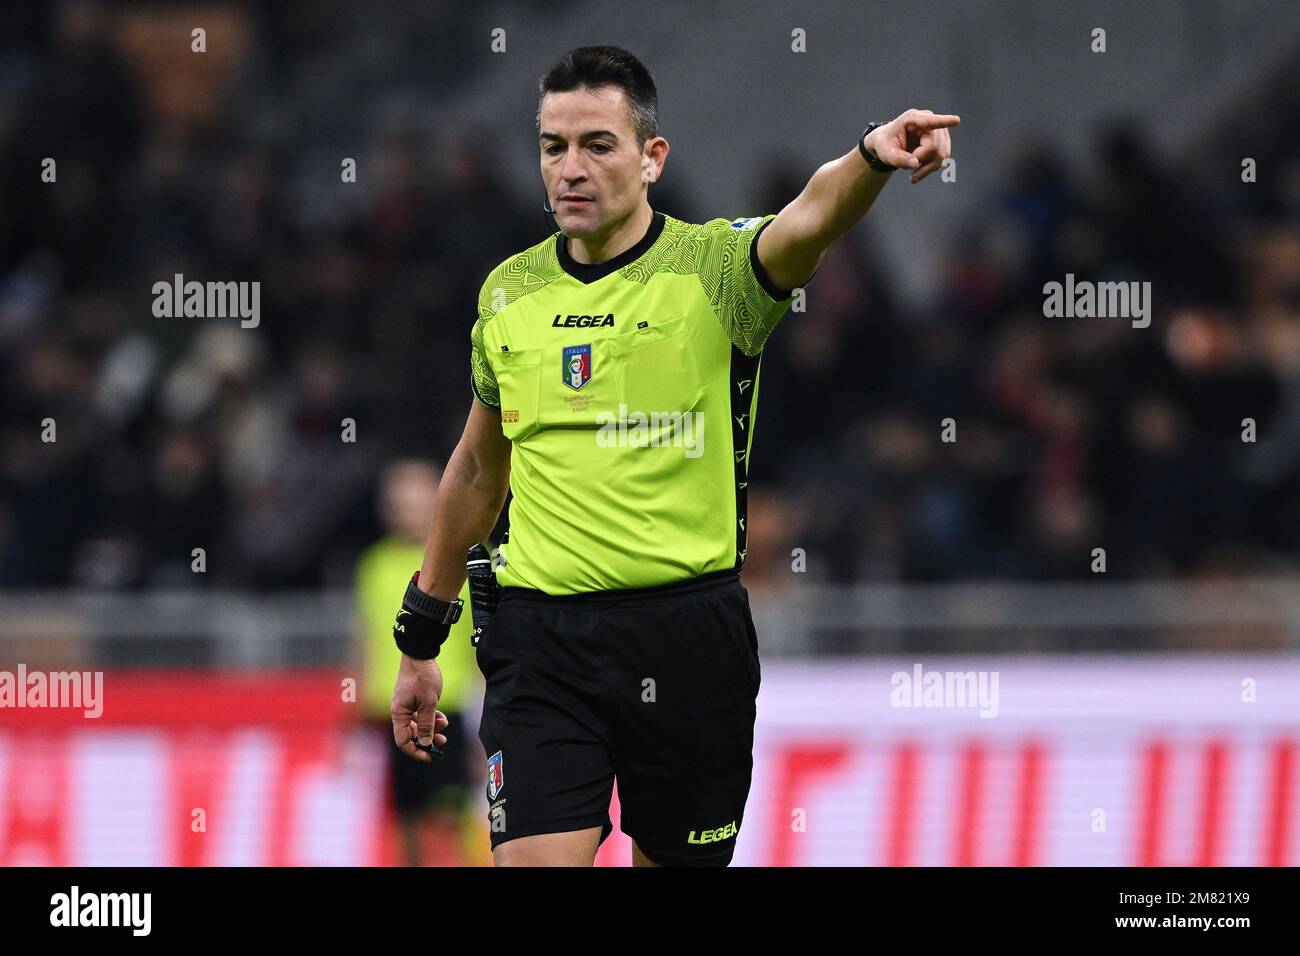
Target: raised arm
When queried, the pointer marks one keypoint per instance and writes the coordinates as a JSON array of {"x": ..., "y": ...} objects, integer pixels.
[{"x": 841, "y": 192}]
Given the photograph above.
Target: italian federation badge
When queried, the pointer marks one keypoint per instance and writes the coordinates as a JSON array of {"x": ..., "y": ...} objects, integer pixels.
[
  {"x": 496, "y": 776},
  {"x": 577, "y": 366}
]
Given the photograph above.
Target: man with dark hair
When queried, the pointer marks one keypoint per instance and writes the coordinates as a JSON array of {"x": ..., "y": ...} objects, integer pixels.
[
  {"x": 615, "y": 371},
  {"x": 596, "y": 66}
]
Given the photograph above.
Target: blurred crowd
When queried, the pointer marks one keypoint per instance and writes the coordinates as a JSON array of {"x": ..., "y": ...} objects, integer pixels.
[
  {"x": 173, "y": 433},
  {"x": 1175, "y": 448}
]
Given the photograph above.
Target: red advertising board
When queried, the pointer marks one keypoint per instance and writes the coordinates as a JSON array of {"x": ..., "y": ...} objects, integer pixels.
[{"x": 1118, "y": 761}]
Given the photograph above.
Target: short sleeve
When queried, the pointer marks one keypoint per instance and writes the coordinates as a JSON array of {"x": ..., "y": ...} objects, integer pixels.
[
  {"x": 748, "y": 304},
  {"x": 482, "y": 379}
]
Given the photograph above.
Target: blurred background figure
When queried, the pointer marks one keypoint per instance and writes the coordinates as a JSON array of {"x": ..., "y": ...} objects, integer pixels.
[{"x": 432, "y": 802}]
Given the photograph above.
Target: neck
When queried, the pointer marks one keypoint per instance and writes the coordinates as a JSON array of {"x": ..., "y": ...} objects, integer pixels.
[{"x": 618, "y": 239}]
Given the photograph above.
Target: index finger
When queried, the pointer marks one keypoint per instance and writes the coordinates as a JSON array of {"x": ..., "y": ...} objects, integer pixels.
[{"x": 934, "y": 120}]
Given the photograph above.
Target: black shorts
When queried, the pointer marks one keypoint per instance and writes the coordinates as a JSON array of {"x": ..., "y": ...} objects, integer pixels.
[{"x": 656, "y": 687}]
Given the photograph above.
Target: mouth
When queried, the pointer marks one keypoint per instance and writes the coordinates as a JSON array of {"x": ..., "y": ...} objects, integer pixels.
[{"x": 574, "y": 200}]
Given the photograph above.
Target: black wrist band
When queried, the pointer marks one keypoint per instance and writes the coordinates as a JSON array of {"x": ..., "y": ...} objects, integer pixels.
[
  {"x": 423, "y": 623},
  {"x": 875, "y": 162}
]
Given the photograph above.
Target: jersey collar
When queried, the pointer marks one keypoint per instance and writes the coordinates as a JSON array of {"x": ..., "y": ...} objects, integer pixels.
[{"x": 588, "y": 272}]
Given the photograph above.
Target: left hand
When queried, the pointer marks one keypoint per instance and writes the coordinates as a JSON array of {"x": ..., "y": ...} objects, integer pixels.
[
  {"x": 917, "y": 140},
  {"x": 414, "y": 709}
]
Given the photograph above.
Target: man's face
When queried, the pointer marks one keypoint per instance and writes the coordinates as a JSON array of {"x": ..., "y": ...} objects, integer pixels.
[
  {"x": 589, "y": 149},
  {"x": 410, "y": 491}
]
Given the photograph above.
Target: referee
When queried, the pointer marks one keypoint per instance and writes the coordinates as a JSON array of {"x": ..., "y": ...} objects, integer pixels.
[{"x": 615, "y": 371}]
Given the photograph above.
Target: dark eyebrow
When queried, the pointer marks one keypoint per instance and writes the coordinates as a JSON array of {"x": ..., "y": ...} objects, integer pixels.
[{"x": 591, "y": 134}]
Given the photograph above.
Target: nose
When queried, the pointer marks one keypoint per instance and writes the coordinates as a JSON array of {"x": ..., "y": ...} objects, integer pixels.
[{"x": 572, "y": 171}]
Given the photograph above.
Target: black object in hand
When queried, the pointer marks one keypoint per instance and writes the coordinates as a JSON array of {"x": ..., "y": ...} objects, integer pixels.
[{"x": 483, "y": 589}]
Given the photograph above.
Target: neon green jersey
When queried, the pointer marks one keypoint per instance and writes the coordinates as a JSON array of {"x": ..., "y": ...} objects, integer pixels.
[{"x": 628, "y": 389}]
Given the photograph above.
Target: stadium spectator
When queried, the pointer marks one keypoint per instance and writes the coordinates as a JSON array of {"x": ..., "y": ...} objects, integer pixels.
[{"x": 431, "y": 797}]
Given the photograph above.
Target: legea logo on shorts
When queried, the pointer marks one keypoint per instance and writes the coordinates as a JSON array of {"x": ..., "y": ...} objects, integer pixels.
[
  {"x": 630, "y": 429},
  {"x": 713, "y": 836}
]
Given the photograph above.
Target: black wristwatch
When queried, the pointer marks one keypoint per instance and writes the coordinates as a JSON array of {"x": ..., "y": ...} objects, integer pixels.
[
  {"x": 442, "y": 612},
  {"x": 424, "y": 622},
  {"x": 874, "y": 161}
]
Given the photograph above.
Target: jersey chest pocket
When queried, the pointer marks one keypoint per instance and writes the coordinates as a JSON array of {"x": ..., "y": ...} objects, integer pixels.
[
  {"x": 566, "y": 386},
  {"x": 655, "y": 368},
  {"x": 518, "y": 376}
]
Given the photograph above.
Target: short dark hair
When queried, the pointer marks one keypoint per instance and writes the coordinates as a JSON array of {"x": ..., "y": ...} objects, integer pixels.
[{"x": 587, "y": 67}]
